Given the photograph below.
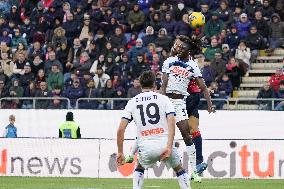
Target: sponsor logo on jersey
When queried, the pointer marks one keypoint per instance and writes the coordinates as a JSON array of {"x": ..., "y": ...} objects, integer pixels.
[{"x": 151, "y": 132}]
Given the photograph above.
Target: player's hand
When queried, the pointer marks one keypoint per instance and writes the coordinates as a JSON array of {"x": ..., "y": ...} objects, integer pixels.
[
  {"x": 120, "y": 160},
  {"x": 166, "y": 154},
  {"x": 211, "y": 109}
]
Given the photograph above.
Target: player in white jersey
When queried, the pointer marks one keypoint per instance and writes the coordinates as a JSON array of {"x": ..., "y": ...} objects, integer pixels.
[
  {"x": 177, "y": 71},
  {"x": 154, "y": 116}
]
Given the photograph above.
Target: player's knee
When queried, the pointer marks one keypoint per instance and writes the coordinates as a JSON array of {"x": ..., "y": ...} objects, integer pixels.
[
  {"x": 193, "y": 124},
  {"x": 187, "y": 140}
]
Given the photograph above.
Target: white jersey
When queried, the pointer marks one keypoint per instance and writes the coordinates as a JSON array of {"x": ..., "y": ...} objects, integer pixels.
[
  {"x": 149, "y": 111},
  {"x": 179, "y": 74}
]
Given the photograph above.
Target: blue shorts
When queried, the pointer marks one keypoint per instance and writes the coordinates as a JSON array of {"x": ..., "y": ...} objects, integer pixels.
[{"x": 192, "y": 102}]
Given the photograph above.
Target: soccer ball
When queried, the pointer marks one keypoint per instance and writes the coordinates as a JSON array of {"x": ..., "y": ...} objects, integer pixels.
[{"x": 196, "y": 20}]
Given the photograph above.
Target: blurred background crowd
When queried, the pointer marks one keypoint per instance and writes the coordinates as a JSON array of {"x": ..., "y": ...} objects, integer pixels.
[{"x": 98, "y": 48}]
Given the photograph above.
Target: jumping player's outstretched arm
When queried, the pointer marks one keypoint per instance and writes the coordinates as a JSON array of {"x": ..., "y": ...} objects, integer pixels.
[{"x": 202, "y": 86}]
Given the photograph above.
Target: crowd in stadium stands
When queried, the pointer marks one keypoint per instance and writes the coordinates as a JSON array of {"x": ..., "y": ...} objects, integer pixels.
[{"x": 97, "y": 48}]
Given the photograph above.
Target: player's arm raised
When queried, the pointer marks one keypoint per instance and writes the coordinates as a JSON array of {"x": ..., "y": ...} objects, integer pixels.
[
  {"x": 201, "y": 84},
  {"x": 120, "y": 139}
]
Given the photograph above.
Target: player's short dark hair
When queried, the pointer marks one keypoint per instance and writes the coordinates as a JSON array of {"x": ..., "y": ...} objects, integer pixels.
[
  {"x": 194, "y": 45},
  {"x": 147, "y": 79}
]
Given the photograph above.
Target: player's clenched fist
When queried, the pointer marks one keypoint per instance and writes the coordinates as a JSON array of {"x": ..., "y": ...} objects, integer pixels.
[{"x": 120, "y": 160}]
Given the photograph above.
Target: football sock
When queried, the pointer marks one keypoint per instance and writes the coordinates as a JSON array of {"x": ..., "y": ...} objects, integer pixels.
[
  {"x": 138, "y": 178},
  {"x": 197, "y": 140},
  {"x": 134, "y": 148},
  {"x": 191, "y": 156},
  {"x": 183, "y": 180}
]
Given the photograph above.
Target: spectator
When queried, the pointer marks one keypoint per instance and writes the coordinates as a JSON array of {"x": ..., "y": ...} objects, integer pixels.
[
  {"x": 51, "y": 62},
  {"x": 218, "y": 65},
  {"x": 226, "y": 53},
  {"x": 30, "y": 91},
  {"x": 137, "y": 49},
  {"x": 18, "y": 39},
  {"x": 74, "y": 92},
  {"x": 100, "y": 78},
  {"x": 107, "y": 92},
  {"x": 3, "y": 90},
  {"x": 276, "y": 31},
  {"x": 267, "y": 10},
  {"x": 208, "y": 72},
  {"x": 119, "y": 104},
  {"x": 265, "y": 92},
  {"x": 19, "y": 65},
  {"x": 135, "y": 89},
  {"x": 35, "y": 50},
  {"x": 20, "y": 48},
  {"x": 93, "y": 50},
  {"x": 182, "y": 27},
  {"x": 74, "y": 54},
  {"x": 27, "y": 77},
  {"x": 255, "y": 42},
  {"x": 71, "y": 27},
  {"x": 149, "y": 37},
  {"x": 84, "y": 66},
  {"x": 169, "y": 24},
  {"x": 11, "y": 129},
  {"x": 225, "y": 13},
  {"x": 6, "y": 64},
  {"x": 280, "y": 95},
  {"x": 69, "y": 129},
  {"x": 40, "y": 77},
  {"x": 205, "y": 10},
  {"x": 243, "y": 54},
  {"x": 55, "y": 78},
  {"x": 86, "y": 29},
  {"x": 141, "y": 66},
  {"x": 233, "y": 39},
  {"x": 56, "y": 103},
  {"x": 275, "y": 79},
  {"x": 155, "y": 20},
  {"x": 243, "y": 26},
  {"x": 58, "y": 37},
  {"x": 100, "y": 62},
  {"x": 214, "y": 26},
  {"x": 108, "y": 51},
  {"x": 251, "y": 7},
  {"x": 90, "y": 92},
  {"x": 5, "y": 48},
  {"x": 37, "y": 64},
  {"x": 136, "y": 19},
  {"x": 118, "y": 38},
  {"x": 3, "y": 76},
  {"x": 164, "y": 41},
  {"x": 16, "y": 90},
  {"x": 225, "y": 86},
  {"x": 179, "y": 11},
  {"x": 261, "y": 24},
  {"x": 234, "y": 72},
  {"x": 42, "y": 92},
  {"x": 132, "y": 41},
  {"x": 210, "y": 51},
  {"x": 216, "y": 94},
  {"x": 5, "y": 38}
]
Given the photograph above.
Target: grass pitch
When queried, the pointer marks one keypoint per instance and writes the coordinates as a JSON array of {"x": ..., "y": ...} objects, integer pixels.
[{"x": 85, "y": 183}]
